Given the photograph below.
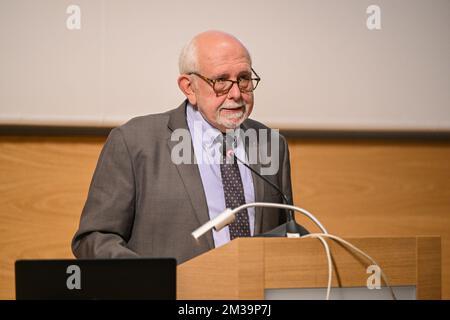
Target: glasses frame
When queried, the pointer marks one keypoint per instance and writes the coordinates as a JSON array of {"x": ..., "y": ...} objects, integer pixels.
[{"x": 212, "y": 83}]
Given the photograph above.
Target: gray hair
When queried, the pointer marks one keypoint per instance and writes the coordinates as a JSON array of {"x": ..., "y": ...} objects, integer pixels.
[{"x": 188, "y": 61}]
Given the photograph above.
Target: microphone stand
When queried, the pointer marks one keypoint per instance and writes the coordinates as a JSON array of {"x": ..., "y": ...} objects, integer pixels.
[{"x": 291, "y": 228}]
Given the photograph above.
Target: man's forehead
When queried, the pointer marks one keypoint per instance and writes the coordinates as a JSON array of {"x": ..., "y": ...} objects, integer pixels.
[
  {"x": 225, "y": 63},
  {"x": 228, "y": 71}
]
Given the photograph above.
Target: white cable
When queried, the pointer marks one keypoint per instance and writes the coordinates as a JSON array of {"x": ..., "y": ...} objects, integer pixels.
[
  {"x": 330, "y": 268},
  {"x": 228, "y": 215},
  {"x": 351, "y": 246},
  {"x": 283, "y": 206}
]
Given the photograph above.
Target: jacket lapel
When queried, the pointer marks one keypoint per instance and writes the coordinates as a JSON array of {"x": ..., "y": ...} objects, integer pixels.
[{"x": 190, "y": 173}]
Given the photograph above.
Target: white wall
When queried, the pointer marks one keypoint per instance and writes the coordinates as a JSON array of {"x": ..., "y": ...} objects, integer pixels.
[{"x": 321, "y": 67}]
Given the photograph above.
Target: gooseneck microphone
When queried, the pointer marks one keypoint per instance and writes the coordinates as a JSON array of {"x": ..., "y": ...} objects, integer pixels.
[{"x": 291, "y": 228}]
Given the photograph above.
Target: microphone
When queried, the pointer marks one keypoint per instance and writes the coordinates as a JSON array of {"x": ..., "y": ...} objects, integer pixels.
[
  {"x": 289, "y": 229},
  {"x": 228, "y": 216}
]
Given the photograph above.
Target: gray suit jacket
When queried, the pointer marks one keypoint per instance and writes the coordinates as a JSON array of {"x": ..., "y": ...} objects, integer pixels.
[{"x": 140, "y": 204}]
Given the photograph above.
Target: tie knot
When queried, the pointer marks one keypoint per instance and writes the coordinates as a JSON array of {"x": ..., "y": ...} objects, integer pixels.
[{"x": 228, "y": 143}]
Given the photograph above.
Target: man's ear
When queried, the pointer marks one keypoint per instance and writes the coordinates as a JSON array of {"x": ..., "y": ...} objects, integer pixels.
[{"x": 186, "y": 85}]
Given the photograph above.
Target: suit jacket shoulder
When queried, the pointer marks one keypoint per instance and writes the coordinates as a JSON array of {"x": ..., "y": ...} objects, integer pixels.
[{"x": 146, "y": 131}]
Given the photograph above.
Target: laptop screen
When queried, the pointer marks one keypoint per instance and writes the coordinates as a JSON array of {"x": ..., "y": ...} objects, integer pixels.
[{"x": 98, "y": 279}]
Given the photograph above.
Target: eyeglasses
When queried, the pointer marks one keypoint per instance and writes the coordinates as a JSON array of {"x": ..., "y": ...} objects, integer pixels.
[{"x": 223, "y": 86}]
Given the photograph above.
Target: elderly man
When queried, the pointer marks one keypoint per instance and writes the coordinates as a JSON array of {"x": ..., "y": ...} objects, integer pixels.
[{"x": 143, "y": 203}]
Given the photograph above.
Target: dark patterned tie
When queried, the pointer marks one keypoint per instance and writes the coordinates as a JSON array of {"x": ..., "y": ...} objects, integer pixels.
[{"x": 234, "y": 193}]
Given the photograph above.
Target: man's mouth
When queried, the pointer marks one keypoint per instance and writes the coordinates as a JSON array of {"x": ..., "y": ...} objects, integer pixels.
[{"x": 233, "y": 109}]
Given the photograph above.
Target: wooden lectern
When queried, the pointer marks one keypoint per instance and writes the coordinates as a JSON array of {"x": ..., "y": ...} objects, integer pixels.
[{"x": 246, "y": 267}]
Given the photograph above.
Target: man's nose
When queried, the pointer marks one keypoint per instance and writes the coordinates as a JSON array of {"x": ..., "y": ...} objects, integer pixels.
[{"x": 235, "y": 92}]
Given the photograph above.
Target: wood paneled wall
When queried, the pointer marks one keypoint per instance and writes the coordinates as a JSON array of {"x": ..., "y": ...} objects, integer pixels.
[{"x": 355, "y": 187}]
